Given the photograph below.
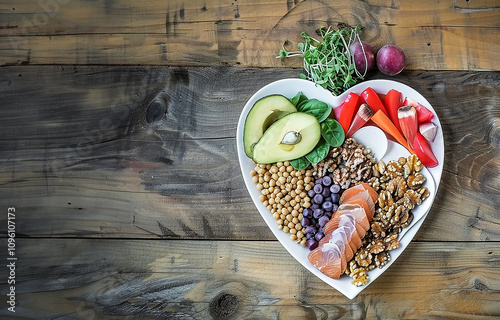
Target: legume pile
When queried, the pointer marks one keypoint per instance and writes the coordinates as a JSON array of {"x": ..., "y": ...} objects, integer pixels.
[{"x": 284, "y": 192}]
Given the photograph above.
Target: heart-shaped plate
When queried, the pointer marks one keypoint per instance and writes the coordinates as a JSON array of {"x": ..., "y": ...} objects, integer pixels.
[{"x": 289, "y": 88}]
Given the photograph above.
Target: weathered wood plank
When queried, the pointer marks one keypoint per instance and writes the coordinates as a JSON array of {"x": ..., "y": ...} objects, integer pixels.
[
  {"x": 436, "y": 35},
  {"x": 78, "y": 152},
  {"x": 106, "y": 279}
]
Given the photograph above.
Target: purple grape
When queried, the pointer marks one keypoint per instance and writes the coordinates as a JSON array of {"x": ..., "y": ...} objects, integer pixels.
[
  {"x": 323, "y": 220},
  {"x": 329, "y": 214},
  {"x": 335, "y": 188},
  {"x": 334, "y": 207},
  {"x": 304, "y": 222},
  {"x": 335, "y": 197},
  {"x": 318, "y": 236},
  {"x": 327, "y": 181},
  {"x": 318, "y": 199},
  {"x": 318, "y": 213},
  {"x": 318, "y": 181},
  {"x": 327, "y": 206},
  {"x": 318, "y": 188},
  {"x": 307, "y": 213},
  {"x": 311, "y": 193},
  {"x": 314, "y": 206},
  {"x": 312, "y": 244},
  {"x": 310, "y": 235},
  {"x": 326, "y": 192},
  {"x": 310, "y": 229}
]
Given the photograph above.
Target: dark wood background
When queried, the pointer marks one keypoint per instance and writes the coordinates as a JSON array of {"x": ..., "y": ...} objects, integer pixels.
[{"x": 117, "y": 149}]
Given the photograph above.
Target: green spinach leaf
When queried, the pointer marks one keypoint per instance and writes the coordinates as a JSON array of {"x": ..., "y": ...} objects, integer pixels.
[
  {"x": 319, "y": 152},
  {"x": 316, "y": 108},
  {"x": 300, "y": 163},
  {"x": 332, "y": 132},
  {"x": 298, "y": 99}
]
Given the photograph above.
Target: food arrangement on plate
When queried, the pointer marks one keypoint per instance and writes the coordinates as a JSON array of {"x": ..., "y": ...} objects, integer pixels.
[{"x": 344, "y": 182}]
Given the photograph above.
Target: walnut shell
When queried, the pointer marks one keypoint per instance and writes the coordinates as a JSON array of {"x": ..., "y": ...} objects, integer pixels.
[
  {"x": 395, "y": 169},
  {"x": 382, "y": 259},
  {"x": 411, "y": 199},
  {"x": 378, "y": 230},
  {"x": 360, "y": 277},
  {"x": 377, "y": 246},
  {"x": 415, "y": 181},
  {"x": 414, "y": 164},
  {"x": 363, "y": 257},
  {"x": 385, "y": 200},
  {"x": 392, "y": 244}
]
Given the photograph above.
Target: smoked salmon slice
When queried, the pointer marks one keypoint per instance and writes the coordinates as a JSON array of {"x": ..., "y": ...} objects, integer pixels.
[
  {"x": 328, "y": 259},
  {"x": 353, "y": 191},
  {"x": 364, "y": 200},
  {"x": 340, "y": 237},
  {"x": 349, "y": 193},
  {"x": 372, "y": 191},
  {"x": 334, "y": 224},
  {"x": 357, "y": 211}
]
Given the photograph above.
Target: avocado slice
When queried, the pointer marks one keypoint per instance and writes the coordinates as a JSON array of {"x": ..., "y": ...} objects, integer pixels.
[
  {"x": 290, "y": 137},
  {"x": 262, "y": 115}
]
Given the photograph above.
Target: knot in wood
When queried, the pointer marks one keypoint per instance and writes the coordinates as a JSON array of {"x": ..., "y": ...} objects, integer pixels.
[
  {"x": 156, "y": 108},
  {"x": 223, "y": 306}
]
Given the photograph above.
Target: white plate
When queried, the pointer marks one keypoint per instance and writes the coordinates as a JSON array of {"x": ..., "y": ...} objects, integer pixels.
[{"x": 289, "y": 88}]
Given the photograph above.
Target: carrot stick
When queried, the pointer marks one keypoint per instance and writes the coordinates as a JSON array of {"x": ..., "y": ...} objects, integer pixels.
[{"x": 384, "y": 123}]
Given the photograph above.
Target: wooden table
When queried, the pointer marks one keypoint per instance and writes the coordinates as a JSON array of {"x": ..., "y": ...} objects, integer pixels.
[{"x": 118, "y": 153}]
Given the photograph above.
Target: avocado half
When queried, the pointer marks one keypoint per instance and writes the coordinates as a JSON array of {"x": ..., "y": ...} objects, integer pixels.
[
  {"x": 270, "y": 147},
  {"x": 262, "y": 115}
]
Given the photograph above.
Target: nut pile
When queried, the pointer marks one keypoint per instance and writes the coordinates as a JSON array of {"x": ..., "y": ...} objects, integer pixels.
[
  {"x": 350, "y": 164},
  {"x": 284, "y": 192},
  {"x": 400, "y": 187}
]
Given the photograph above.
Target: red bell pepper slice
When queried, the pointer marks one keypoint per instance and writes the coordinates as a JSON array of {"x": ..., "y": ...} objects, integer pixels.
[
  {"x": 373, "y": 100},
  {"x": 393, "y": 101},
  {"x": 423, "y": 114},
  {"x": 424, "y": 152},
  {"x": 347, "y": 110}
]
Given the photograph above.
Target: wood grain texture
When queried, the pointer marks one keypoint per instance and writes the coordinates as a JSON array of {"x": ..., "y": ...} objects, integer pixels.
[
  {"x": 436, "y": 35},
  {"x": 150, "y": 152},
  {"x": 111, "y": 279}
]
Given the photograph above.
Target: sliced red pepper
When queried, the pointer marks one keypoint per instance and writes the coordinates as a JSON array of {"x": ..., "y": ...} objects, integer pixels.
[
  {"x": 347, "y": 111},
  {"x": 373, "y": 100},
  {"x": 393, "y": 101},
  {"x": 424, "y": 152},
  {"x": 337, "y": 110},
  {"x": 423, "y": 114}
]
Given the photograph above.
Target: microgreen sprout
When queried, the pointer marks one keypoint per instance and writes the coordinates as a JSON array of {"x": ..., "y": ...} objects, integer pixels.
[{"x": 329, "y": 62}]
